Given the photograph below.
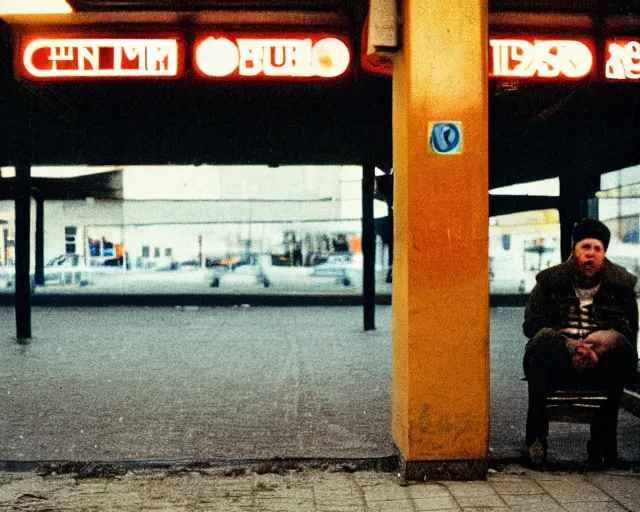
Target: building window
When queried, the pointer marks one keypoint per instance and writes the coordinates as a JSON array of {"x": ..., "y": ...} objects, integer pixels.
[
  {"x": 156, "y": 252},
  {"x": 167, "y": 252},
  {"x": 145, "y": 251},
  {"x": 70, "y": 233}
]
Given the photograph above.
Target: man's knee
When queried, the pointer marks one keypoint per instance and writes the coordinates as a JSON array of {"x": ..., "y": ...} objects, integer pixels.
[
  {"x": 605, "y": 341},
  {"x": 619, "y": 360},
  {"x": 546, "y": 341},
  {"x": 547, "y": 348}
]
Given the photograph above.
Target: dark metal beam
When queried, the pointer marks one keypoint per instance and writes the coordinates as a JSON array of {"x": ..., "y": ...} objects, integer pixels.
[
  {"x": 39, "y": 274},
  {"x": 368, "y": 247},
  {"x": 21, "y": 148},
  {"x": 22, "y": 245}
]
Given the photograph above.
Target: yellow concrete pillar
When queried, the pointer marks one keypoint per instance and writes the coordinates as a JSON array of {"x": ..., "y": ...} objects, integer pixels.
[{"x": 440, "y": 280}]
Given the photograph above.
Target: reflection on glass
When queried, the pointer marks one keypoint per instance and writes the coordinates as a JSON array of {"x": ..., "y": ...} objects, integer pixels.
[
  {"x": 521, "y": 245},
  {"x": 205, "y": 229}
]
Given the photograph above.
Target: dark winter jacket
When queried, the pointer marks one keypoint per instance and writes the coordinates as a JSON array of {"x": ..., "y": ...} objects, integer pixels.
[{"x": 614, "y": 305}]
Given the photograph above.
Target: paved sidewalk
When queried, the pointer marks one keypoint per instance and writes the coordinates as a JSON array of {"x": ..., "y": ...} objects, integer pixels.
[{"x": 321, "y": 490}]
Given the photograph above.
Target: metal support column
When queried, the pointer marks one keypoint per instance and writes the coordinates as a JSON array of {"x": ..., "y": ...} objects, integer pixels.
[
  {"x": 39, "y": 275},
  {"x": 368, "y": 247},
  {"x": 22, "y": 164},
  {"x": 22, "y": 248},
  {"x": 5, "y": 248},
  {"x": 440, "y": 364}
]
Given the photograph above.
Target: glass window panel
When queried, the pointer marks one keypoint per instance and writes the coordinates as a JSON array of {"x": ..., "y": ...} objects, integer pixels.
[{"x": 521, "y": 245}]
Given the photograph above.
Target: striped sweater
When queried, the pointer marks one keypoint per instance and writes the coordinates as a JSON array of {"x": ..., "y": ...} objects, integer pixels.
[{"x": 580, "y": 320}]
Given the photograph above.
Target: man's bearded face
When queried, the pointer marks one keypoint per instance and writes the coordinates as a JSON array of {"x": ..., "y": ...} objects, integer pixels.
[{"x": 589, "y": 255}]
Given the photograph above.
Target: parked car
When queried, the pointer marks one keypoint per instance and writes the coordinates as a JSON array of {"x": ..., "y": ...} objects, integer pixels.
[
  {"x": 240, "y": 275},
  {"x": 340, "y": 267},
  {"x": 66, "y": 269}
]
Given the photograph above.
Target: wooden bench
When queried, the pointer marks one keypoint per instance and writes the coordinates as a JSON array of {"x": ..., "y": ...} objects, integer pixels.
[{"x": 574, "y": 405}]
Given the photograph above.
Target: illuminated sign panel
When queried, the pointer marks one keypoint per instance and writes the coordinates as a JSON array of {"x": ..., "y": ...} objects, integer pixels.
[
  {"x": 68, "y": 58},
  {"x": 293, "y": 56},
  {"x": 558, "y": 58},
  {"x": 262, "y": 58},
  {"x": 623, "y": 60}
]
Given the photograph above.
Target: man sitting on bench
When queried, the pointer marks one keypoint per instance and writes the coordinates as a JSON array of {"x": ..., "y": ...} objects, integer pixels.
[{"x": 582, "y": 321}]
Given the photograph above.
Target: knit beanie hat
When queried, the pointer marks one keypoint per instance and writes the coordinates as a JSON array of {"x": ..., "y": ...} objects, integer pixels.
[{"x": 591, "y": 228}]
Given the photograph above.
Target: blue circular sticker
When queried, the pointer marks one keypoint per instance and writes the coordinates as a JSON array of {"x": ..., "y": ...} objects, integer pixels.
[{"x": 445, "y": 138}]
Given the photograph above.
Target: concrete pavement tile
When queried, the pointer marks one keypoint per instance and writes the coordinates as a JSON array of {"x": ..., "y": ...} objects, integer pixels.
[
  {"x": 573, "y": 488},
  {"x": 543, "y": 476},
  {"x": 385, "y": 491},
  {"x": 372, "y": 478},
  {"x": 485, "y": 509},
  {"x": 598, "y": 506},
  {"x": 462, "y": 489},
  {"x": 272, "y": 496},
  {"x": 165, "y": 507},
  {"x": 340, "y": 508},
  {"x": 325, "y": 502},
  {"x": 475, "y": 494},
  {"x": 390, "y": 506},
  {"x": 484, "y": 502},
  {"x": 521, "y": 485},
  {"x": 427, "y": 490},
  {"x": 435, "y": 503},
  {"x": 387, "y": 497},
  {"x": 280, "y": 505},
  {"x": 334, "y": 491},
  {"x": 624, "y": 488},
  {"x": 532, "y": 503}
]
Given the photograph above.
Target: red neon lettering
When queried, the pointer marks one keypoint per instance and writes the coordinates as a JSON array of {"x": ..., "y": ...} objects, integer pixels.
[
  {"x": 51, "y": 58},
  {"x": 545, "y": 59}
]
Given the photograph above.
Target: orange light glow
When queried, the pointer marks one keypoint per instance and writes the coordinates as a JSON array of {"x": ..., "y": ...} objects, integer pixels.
[
  {"x": 558, "y": 58},
  {"x": 623, "y": 60},
  {"x": 230, "y": 56},
  {"x": 34, "y": 7},
  {"x": 59, "y": 58}
]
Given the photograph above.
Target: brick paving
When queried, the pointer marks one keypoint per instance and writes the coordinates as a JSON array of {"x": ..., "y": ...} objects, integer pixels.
[{"x": 317, "y": 490}]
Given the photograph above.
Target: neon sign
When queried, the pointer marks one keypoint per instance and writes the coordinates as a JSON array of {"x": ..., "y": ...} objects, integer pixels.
[
  {"x": 257, "y": 58},
  {"x": 623, "y": 61},
  {"x": 140, "y": 58},
  {"x": 540, "y": 58}
]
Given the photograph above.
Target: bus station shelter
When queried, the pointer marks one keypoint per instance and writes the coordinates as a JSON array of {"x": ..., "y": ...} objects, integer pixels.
[{"x": 456, "y": 98}]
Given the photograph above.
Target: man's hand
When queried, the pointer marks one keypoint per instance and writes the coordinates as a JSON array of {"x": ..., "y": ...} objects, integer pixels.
[
  {"x": 583, "y": 356},
  {"x": 602, "y": 341}
]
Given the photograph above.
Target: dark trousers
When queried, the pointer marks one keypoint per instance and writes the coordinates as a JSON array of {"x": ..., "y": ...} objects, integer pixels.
[{"x": 548, "y": 366}]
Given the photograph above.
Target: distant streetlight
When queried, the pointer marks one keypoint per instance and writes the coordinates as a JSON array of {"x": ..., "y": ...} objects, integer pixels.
[{"x": 34, "y": 7}]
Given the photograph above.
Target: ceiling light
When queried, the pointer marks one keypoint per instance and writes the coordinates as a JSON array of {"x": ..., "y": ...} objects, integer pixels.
[{"x": 34, "y": 6}]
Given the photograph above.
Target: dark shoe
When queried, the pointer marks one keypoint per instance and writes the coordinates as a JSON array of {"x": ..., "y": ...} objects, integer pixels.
[
  {"x": 602, "y": 455},
  {"x": 595, "y": 462},
  {"x": 538, "y": 451}
]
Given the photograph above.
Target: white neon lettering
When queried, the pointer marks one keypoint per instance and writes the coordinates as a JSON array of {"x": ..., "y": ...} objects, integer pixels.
[
  {"x": 251, "y": 54},
  {"x": 89, "y": 54},
  {"x": 60, "y": 54},
  {"x": 548, "y": 59},
  {"x": 123, "y": 57},
  {"x": 217, "y": 57},
  {"x": 329, "y": 57},
  {"x": 158, "y": 58},
  {"x": 288, "y": 58},
  {"x": 624, "y": 61},
  {"x": 130, "y": 52}
]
